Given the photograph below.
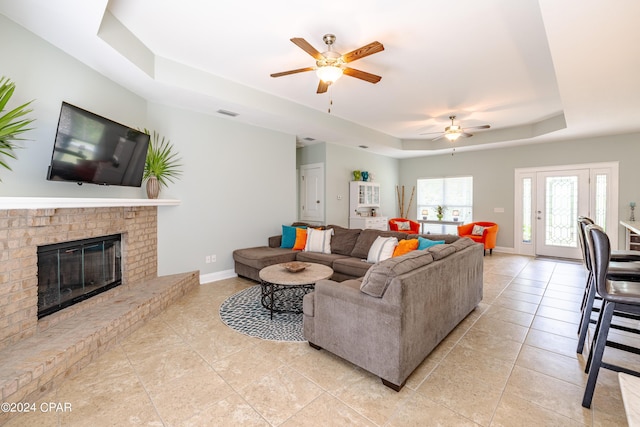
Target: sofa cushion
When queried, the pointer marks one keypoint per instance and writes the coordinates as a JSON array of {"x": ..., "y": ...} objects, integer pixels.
[
  {"x": 441, "y": 251},
  {"x": 263, "y": 256},
  {"x": 427, "y": 243},
  {"x": 289, "y": 236},
  {"x": 301, "y": 239},
  {"x": 318, "y": 241},
  {"x": 462, "y": 243},
  {"x": 352, "y": 267},
  {"x": 405, "y": 246},
  {"x": 381, "y": 249},
  {"x": 343, "y": 239},
  {"x": 366, "y": 239},
  {"x": 318, "y": 257},
  {"x": 378, "y": 278},
  {"x": 448, "y": 238}
]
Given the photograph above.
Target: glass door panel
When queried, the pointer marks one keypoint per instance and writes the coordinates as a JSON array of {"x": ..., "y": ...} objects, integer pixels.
[{"x": 562, "y": 197}]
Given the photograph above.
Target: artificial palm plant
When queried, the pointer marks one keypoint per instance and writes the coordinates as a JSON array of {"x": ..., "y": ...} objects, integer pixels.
[
  {"x": 12, "y": 123},
  {"x": 163, "y": 163}
]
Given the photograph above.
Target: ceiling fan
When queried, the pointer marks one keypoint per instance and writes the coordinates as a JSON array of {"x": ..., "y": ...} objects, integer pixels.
[
  {"x": 454, "y": 131},
  {"x": 330, "y": 65}
]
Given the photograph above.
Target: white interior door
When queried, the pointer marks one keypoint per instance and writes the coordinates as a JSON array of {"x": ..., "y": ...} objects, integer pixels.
[
  {"x": 562, "y": 196},
  {"x": 312, "y": 192}
]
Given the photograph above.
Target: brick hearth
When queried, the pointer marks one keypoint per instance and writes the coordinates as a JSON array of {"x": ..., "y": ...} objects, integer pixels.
[
  {"x": 38, "y": 353},
  {"x": 23, "y": 230}
]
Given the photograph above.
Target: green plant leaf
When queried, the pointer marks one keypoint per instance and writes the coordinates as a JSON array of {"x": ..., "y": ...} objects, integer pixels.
[
  {"x": 162, "y": 160},
  {"x": 12, "y": 123}
]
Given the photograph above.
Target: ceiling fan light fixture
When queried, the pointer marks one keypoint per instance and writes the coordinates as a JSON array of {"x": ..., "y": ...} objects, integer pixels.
[
  {"x": 452, "y": 136},
  {"x": 329, "y": 73}
]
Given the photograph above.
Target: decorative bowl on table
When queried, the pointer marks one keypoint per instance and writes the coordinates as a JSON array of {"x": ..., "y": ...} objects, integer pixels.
[{"x": 295, "y": 266}]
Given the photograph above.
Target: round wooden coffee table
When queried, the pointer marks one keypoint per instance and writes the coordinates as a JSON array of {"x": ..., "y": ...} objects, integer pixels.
[{"x": 282, "y": 290}]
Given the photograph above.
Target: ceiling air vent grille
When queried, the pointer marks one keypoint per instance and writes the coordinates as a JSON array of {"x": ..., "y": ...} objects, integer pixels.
[{"x": 227, "y": 113}]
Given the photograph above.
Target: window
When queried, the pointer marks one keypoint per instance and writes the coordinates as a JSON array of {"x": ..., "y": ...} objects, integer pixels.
[{"x": 454, "y": 194}]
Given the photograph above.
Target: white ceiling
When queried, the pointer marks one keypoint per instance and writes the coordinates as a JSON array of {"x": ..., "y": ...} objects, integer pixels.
[{"x": 535, "y": 70}]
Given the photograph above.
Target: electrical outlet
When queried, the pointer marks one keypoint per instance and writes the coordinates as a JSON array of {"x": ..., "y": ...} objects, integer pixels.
[
  {"x": 213, "y": 258},
  {"x": 207, "y": 259}
]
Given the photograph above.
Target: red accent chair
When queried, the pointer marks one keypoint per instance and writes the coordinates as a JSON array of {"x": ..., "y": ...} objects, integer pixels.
[
  {"x": 488, "y": 236},
  {"x": 414, "y": 227}
]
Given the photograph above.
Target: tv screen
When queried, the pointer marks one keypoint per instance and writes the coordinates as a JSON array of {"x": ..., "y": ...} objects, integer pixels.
[{"x": 90, "y": 148}]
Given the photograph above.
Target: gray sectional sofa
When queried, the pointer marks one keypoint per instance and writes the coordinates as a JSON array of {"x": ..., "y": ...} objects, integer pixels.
[
  {"x": 349, "y": 249},
  {"x": 391, "y": 319},
  {"x": 388, "y": 316}
]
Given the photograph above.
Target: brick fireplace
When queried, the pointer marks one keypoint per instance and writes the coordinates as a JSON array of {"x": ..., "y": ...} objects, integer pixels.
[{"x": 23, "y": 230}]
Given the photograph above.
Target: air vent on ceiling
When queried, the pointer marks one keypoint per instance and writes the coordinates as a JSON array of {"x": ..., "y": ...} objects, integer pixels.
[
  {"x": 363, "y": 146},
  {"x": 227, "y": 113},
  {"x": 309, "y": 139}
]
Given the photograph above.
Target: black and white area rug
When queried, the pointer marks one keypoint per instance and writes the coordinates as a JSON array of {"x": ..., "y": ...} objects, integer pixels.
[{"x": 244, "y": 313}]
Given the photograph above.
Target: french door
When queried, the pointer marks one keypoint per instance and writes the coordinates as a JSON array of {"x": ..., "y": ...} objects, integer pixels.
[
  {"x": 549, "y": 201},
  {"x": 562, "y": 196}
]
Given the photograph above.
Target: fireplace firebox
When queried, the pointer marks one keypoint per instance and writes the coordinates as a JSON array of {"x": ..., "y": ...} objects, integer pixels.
[{"x": 71, "y": 272}]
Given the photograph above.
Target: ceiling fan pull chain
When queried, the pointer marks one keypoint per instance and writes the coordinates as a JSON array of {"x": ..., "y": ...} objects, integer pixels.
[{"x": 330, "y": 101}]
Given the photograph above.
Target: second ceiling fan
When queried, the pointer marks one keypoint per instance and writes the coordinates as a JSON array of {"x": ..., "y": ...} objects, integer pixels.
[
  {"x": 454, "y": 131},
  {"x": 330, "y": 65}
]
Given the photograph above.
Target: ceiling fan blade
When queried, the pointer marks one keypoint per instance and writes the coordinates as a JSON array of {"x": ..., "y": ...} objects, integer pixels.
[
  {"x": 478, "y": 127},
  {"x": 286, "y": 73},
  {"x": 440, "y": 137},
  {"x": 466, "y": 135},
  {"x": 363, "y": 51},
  {"x": 322, "y": 87},
  {"x": 429, "y": 133},
  {"x": 362, "y": 75},
  {"x": 304, "y": 45}
]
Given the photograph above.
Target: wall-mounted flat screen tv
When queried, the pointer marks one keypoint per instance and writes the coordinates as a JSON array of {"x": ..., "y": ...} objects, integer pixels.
[{"x": 93, "y": 149}]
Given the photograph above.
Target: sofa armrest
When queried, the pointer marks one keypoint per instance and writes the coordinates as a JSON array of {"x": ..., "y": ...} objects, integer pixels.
[
  {"x": 275, "y": 241},
  {"x": 349, "y": 293}
]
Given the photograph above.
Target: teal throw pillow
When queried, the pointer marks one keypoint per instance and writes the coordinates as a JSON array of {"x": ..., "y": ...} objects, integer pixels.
[
  {"x": 426, "y": 243},
  {"x": 289, "y": 236}
]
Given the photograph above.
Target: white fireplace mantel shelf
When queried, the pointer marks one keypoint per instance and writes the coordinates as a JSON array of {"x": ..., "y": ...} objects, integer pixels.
[{"x": 76, "y": 202}]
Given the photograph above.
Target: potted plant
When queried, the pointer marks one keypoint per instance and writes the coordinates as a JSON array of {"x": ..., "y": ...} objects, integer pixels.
[
  {"x": 12, "y": 123},
  {"x": 162, "y": 165},
  {"x": 440, "y": 212}
]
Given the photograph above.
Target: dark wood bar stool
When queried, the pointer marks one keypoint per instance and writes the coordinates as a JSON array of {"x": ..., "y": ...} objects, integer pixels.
[
  {"x": 624, "y": 267},
  {"x": 617, "y": 297}
]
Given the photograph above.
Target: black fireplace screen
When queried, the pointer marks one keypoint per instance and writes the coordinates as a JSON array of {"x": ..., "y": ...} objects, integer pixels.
[{"x": 70, "y": 272}]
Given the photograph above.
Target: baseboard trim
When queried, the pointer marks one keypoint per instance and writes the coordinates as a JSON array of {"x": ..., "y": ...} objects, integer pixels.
[
  {"x": 218, "y": 275},
  {"x": 504, "y": 250}
]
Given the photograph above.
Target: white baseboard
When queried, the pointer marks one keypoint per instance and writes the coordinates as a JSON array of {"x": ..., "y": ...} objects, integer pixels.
[
  {"x": 504, "y": 250},
  {"x": 218, "y": 275}
]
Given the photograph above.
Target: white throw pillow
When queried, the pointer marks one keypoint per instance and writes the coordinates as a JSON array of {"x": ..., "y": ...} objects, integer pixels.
[
  {"x": 318, "y": 240},
  {"x": 382, "y": 249},
  {"x": 403, "y": 225},
  {"x": 477, "y": 230}
]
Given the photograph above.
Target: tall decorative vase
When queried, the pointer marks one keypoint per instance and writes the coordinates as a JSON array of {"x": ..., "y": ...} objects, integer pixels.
[{"x": 153, "y": 187}]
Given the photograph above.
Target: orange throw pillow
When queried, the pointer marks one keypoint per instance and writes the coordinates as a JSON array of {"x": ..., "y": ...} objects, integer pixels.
[
  {"x": 405, "y": 246},
  {"x": 301, "y": 239}
]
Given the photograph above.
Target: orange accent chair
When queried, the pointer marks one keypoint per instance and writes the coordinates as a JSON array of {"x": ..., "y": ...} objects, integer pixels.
[
  {"x": 488, "y": 236},
  {"x": 414, "y": 227}
]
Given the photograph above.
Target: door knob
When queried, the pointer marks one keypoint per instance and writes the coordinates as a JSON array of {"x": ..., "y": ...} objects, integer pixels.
[{"x": 317, "y": 201}]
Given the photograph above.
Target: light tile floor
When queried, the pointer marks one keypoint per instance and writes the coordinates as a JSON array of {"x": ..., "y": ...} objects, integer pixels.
[{"x": 511, "y": 362}]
